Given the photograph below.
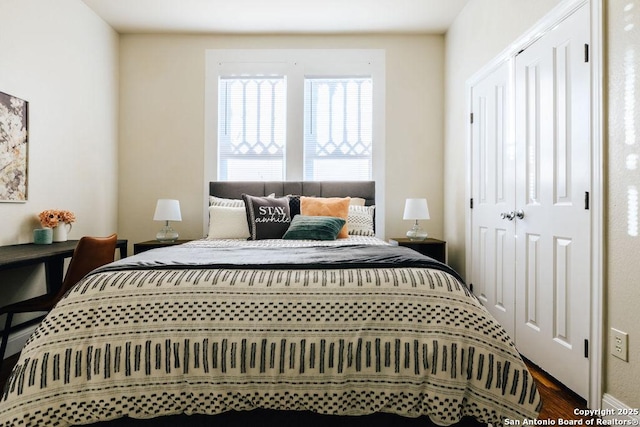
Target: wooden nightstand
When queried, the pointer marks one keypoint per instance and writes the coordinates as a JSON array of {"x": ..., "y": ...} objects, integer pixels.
[
  {"x": 152, "y": 244},
  {"x": 434, "y": 248}
]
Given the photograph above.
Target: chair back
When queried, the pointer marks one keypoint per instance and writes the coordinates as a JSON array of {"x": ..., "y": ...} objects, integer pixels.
[{"x": 89, "y": 254}]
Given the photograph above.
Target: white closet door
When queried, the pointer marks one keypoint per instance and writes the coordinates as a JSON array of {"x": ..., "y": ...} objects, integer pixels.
[
  {"x": 493, "y": 192},
  {"x": 553, "y": 239}
]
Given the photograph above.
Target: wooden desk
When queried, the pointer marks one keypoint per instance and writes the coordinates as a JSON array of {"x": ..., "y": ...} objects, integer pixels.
[{"x": 52, "y": 256}]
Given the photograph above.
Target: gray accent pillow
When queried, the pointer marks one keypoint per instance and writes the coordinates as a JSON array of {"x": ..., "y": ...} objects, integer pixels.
[{"x": 267, "y": 217}]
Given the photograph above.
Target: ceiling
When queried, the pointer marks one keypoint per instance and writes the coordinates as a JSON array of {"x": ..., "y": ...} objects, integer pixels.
[{"x": 278, "y": 16}]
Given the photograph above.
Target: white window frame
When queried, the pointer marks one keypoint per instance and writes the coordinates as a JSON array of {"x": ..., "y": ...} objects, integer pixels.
[{"x": 295, "y": 64}]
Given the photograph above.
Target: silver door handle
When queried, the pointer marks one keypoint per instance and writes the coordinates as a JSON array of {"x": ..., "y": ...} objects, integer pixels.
[
  {"x": 508, "y": 215},
  {"x": 511, "y": 215}
]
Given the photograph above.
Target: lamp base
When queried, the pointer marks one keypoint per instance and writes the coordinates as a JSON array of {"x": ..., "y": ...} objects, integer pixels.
[
  {"x": 167, "y": 234},
  {"x": 416, "y": 234}
]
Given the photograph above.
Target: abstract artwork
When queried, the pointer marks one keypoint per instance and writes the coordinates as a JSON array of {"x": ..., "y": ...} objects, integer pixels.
[{"x": 13, "y": 148}]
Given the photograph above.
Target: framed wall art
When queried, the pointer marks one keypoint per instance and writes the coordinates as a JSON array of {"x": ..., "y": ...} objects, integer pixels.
[{"x": 14, "y": 136}]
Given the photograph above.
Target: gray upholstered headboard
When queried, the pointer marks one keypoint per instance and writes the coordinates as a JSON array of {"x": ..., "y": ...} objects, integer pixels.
[{"x": 234, "y": 189}]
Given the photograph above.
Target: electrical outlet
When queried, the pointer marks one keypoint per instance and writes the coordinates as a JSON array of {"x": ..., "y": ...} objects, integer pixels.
[{"x": 619, "y": 344}]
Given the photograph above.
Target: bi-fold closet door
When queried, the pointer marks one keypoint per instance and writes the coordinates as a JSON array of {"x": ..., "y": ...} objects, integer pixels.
[{"x": 530, "y": 184}]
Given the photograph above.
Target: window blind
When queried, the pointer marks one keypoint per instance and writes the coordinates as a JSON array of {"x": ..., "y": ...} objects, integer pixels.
[
  {"x": 251, "y": 128},
  {"x": 338, "y": 127}
]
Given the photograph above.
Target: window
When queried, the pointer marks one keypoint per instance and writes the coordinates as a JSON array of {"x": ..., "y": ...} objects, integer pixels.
[
  {"x": 295, "y": 114},
  {"x": 338, "y": 129},
  {"x": 251, "y": 128}
]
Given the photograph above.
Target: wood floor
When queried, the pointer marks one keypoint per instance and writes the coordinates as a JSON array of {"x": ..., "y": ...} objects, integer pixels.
[{"x": 558, "y": 402}]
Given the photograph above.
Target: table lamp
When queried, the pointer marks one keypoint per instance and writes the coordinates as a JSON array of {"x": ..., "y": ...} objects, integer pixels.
[
  {"x": 167, "y": 210},
  {"x": 416, "y": 209}
]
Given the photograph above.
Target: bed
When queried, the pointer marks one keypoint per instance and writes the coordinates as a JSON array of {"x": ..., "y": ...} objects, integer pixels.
[{"x": 351, "y": 331}]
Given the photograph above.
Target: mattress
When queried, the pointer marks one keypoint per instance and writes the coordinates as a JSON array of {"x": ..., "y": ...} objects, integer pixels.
[{"x": 348, "y": 327}]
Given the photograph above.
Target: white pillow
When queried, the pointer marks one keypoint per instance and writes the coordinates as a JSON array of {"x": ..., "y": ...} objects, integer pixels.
[
  {"x": 360, "y": 220},
  {"x": 228, "y": 222},
  {"x": 357, "y": 201}
]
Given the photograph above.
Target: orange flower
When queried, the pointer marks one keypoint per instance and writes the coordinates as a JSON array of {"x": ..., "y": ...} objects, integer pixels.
[
  {"x": 66, "y": 216},
  {"x": 52, "y": 217}
]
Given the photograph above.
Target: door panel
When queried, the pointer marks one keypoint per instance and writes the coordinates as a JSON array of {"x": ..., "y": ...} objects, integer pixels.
[
  {"x": 531, "y": 302},
  {"x": 493, "y": 192},
  {"x": 553, "y": 239}
]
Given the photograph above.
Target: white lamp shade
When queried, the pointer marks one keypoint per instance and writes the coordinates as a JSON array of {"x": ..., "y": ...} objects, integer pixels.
[
  {"x": 167, "y": 210},
  {"x": 416, "y": 209}
]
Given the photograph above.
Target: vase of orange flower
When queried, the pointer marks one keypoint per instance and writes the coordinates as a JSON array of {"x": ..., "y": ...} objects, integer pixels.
[{"x": 58, "y": 220}]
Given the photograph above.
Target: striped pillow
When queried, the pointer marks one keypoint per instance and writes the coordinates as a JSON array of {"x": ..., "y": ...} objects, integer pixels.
[{"x": 229, "y": 203}]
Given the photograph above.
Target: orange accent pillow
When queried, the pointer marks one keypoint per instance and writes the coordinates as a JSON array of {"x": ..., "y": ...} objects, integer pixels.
[{"x": 327, "y": 206}]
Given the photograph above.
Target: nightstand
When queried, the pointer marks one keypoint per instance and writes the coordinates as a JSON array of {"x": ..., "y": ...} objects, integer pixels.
[
  {"x": 434, "y": 248},
  {"x": 153, "y": 244}
]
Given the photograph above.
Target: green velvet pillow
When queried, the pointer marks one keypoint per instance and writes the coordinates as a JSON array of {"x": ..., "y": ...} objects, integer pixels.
[{"x": 304, "y": 227}]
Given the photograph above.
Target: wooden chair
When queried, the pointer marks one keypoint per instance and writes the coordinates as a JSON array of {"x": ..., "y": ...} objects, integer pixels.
[{"x": 89, "y": 254}]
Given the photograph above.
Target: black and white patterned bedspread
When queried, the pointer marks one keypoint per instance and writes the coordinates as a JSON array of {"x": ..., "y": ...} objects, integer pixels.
[{"x": 337, "y": 340}]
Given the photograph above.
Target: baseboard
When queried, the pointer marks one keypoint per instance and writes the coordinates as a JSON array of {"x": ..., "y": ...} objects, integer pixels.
[
  {"x": 613, "y": 409},
  {"x": 18, "y": 339}
]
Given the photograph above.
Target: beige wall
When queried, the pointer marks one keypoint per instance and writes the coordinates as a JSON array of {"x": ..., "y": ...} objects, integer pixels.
[
  {"x": 481, "y": 32},
  {"x": 623, "y": 246},
  {"x": 162, "y": 123},
  {"x": 62, "y": 59}
]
